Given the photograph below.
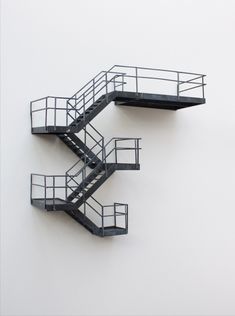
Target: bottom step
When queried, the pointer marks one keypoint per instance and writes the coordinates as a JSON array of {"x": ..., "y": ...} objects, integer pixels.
[{"x": 113, "y": 231}]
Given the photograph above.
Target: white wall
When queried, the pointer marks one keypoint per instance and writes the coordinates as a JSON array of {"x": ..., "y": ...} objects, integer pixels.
[{"x": 178, "y": 258}]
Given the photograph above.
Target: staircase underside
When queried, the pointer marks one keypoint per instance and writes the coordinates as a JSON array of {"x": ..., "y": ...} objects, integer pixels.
[{"x": 146, "y": 100}]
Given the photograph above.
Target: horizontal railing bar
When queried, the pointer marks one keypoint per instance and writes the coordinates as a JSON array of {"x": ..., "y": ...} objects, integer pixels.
[
  {"x": 38, "y": 185},
  {"x": 192, "y": 88},
  {"x": 112, "y": 215},
  {"x": 56, "y": 97},
  {"x": 191, "y": 80},
  {"x": 52, "y": 108},
  {"x": 125, "y": 138},
  {"x": 159, "y": 69},
  {"x": 48, "y": 176},
  {"x": 127, "y": 148},
  {"x": 40, "y": 99},
  {"x": 59, "y": 186},
  {"x": 120, "y": 213},
  {"x": 160, "y": 78},
  {"x": 52, "y": 97}
]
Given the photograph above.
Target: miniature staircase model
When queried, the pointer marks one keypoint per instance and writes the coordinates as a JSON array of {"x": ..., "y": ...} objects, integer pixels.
[{"x": 70, "y": 120}]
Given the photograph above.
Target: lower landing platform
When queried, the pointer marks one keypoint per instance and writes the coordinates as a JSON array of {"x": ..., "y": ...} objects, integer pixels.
[
  {"x": 61, "y": 205},
  {"x": 52, "y": 204}
]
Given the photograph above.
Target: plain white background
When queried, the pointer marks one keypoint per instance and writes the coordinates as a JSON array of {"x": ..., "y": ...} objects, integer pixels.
[{"x": 179, "y": 255}]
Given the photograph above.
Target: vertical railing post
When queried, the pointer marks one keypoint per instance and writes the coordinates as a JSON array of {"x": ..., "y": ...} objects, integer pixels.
[
  {"x": 46, "y": 112},
  {"x": 136, "y": 79},
  {"x": 178, "y": 86},
  {"x": 102, "y": 219},
  {"x": 138, "y": 151},
  {"x": 55, "y": 113},
  {"x": 203, "y": 92},
  {"x": 31, "y": 187},
  {"x": 66, "y": 186},
  {"x": 104, "y": 159},
  {"x": 85, "y": 153},
  {"x": 115, "y": 218},
  {"x": 67, "y": 115},
  {"x": 135, "y": 144},
  {"x": 114, "y": 83},
  {"x": 84, "y": 208},
  {"x": 45, "y": 191},
  {"x": 103, "y": 154},
  {"x": 31, "y": 115},
  {"x": 75, "y": 107},
  {"x": 126, "y": 217},
  {"x": 53, "y": 188},
  {"x": 115, "y": 150}
]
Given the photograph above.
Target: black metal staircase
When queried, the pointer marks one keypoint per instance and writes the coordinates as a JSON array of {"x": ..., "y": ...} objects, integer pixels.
[{"x": 70, "y": 119}]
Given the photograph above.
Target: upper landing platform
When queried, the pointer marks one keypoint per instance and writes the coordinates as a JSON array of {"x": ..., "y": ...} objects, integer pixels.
[
  {"x": 156, "y": 101},
  {"x": 126, "y": 86},
  {"x": 123, "y": 98}
]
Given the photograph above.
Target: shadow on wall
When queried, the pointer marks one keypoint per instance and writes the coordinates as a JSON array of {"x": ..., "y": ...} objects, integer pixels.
[{"x": 126, "y": 121}]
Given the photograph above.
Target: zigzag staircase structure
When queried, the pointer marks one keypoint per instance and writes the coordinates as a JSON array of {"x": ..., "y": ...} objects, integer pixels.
[{"x": 70, "y": 120}]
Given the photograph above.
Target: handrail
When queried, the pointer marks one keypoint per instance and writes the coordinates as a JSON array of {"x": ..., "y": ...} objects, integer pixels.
[
  {"x": 105, "y": 156},
  {"x": 82, "y": 97},
  {"x": 92, "y": 80},
  {"x": 158, "y": 69}
]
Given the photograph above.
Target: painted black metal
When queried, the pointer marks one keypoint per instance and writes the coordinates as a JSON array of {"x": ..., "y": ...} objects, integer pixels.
[
  {"x": 80, "y": 149},
  {"x": 78, "y": 116},
  {"x": 124, "y": 98}
]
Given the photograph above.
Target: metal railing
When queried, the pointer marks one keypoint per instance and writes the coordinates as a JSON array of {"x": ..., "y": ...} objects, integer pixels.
[
  {"x": 63, "y": 111},
  {"x": 109, "y": 154},
  {"x": 113, "y": 215},
  {"x": 178, "y": 78},
  {"x": 55, "y": 189},
  {"x": 101, "y": 215}
]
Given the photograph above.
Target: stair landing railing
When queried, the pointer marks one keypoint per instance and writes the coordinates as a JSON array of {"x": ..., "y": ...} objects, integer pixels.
[
  {"x": 112, "y": 153},
  {"x": 112, "y": 215}
]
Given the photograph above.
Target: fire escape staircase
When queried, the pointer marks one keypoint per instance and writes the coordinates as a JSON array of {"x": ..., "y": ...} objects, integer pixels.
[{"x": 70, "y": 120}]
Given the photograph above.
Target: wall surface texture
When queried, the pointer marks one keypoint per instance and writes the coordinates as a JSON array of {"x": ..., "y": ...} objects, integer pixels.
[{"x": 179, "y": 256}]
